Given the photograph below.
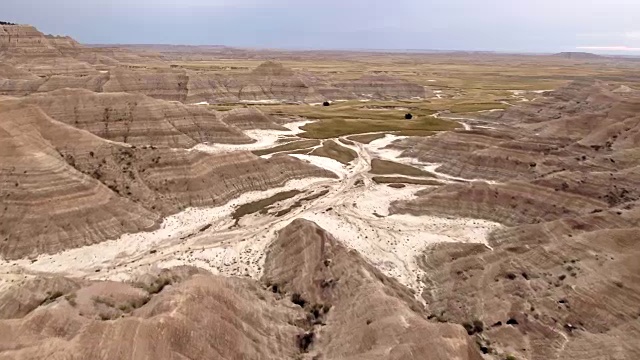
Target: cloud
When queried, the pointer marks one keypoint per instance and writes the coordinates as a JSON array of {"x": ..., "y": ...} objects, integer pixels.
[{"x": 609, "y": 48}]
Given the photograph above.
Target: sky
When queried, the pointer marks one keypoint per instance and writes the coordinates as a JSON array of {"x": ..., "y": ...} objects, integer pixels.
[{"x": 601, "y": 26}]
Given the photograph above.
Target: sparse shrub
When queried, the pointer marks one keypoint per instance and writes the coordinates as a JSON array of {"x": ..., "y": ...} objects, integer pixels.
[
  {"x": 71, "y": 299},
  {"x": 305, "y": 340},
  {"x": 408, "y": 116},
  {"x": 157, "y": 286},
  {"x": 468, "y": 327},
  {"x": 326, "y": 103},
  {"x": 52, "y": 296},
  {"x": 298, "y": 300},
  {"x": 478, "y": 326},
  {"x": 103, "y": 300}
]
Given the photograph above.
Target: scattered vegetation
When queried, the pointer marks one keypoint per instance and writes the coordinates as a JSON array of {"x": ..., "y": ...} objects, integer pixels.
[
  {"x": 7, "y": 23},
  {"x": 331, "y": 149},
  {"x": 52, "y": 296},
  {"x": 103, "y": 300},
  {"x": 346, "y": 142},
  {"x": 295, "y": 145},
  {"x": 156, "y": 286},
  {"x": 413, "y": 133},
  {"x": 474, "y": 327},
  {"x": 385, "y": 167},
  {"x": 71, "y": 299},
  {"x": 262, "y": 206},
  {"x": 305, "y": 340},
  {"x": 366, "y": 138},
  {"x": 332, "y": 128},
  {"x": 298, "y": 300},
  {"x": 300, "y": 202},
  {"x": 474, "y": 107},
  {"x": 404, "y": 180}
]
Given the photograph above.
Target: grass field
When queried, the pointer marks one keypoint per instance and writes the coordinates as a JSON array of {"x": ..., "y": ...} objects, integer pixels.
[
  {"x": 385, "y": 167},
  {"x": 367, "y": 138},
  {"x": 332, "y": 128},
  {"x": 292, "y": 146},
  {"x": 457, "y": 83},
  {"x": 404, "y": 180},
  {"x": 331, "y": 149},
  {"x": 262, "y": 205}
]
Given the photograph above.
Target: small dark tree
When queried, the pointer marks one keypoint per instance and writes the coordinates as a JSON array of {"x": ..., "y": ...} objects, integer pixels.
[
  {"x": 326, "y": 103},
  {"x": 408, "y": 116}
]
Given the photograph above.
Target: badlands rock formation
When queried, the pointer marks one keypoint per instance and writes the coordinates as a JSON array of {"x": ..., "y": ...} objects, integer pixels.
[
  {"x": 562, "y": 280},
  {"x": 28, "y": 49},
  {"x": 99, "y": 144},
  {"x": 64, "y": 187},
  {"x": 317, "y": 299},
  {"x": 53, "y": 62},
  {"x": 384, "y": 87},
  {"x": 139, "y": 120}
]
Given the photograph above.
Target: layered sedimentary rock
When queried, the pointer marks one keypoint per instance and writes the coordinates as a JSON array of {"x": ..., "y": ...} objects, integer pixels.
[
  {"x": 383, "y": 87},
  {"x": 509, "y": 203},
  {"x": 355, "y": 312},
  {"x": 183, "y": 313},
  {"x": 61, "y": 62},
  {"x": 582, "y": 127},
  {"x": 63, "y": 187},
  {"x": 26, "y": 40},
  {"x": 46, "y": 204},
  {"x": 90, "y": 82},
  {"x": 27, "y": 48},
  {"x": 137, "y": 119},
  {"x": 249, "y": 119},
  {"x": 317, "y": 299},
  {"x": 562, "y": 289},
  {"x": 561, "y": 280},
  {"x": 269, "y": 81},
  {"x": 160, "y": 84}
]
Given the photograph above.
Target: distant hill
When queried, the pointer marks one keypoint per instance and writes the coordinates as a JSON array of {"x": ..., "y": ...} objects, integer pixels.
[{"x": 578, "y": 55}]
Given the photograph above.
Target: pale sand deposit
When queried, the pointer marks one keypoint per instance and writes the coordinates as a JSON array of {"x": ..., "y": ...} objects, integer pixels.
[
  {"x": 264, "y": 139},
  {"x": 352, "y": 208}
]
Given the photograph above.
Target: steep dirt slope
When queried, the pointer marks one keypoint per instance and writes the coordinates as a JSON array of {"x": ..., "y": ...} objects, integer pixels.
[
  {"x": 317, "y": 300},
  {"x": 161, "y": 84},
  {"x": 561, "y": 281},
  {"x": 354, "y": 311},
  {"x": 182, "y": 313},
  {"x": 46, "y": 204},
  {"x": 137, "y": 119},
  {"x": 63, "y": 187},
  {"x": 28, "y": 49},
  {"x": 383, "y": 87},
  {"x": 250, "y": 119}
]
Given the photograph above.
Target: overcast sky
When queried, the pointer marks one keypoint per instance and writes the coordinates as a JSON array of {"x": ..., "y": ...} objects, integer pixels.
[{"x": 501, "y": 25}]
